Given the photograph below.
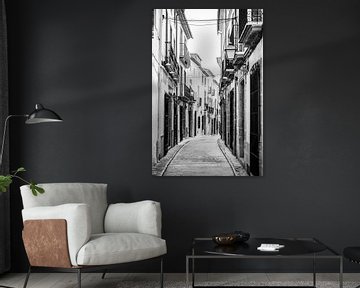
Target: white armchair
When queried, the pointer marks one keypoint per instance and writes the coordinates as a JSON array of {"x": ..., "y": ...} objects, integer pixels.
[{"x": 72, "y": 228}]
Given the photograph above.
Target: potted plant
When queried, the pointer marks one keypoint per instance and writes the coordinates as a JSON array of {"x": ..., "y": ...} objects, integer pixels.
[{"x": 6, "y": 180}]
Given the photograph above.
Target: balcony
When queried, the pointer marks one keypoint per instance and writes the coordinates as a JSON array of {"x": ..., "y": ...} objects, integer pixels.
[
  {"x": 227, "y": 74},
  {"x": 224, "y": 81},
  {"x": 171, "y": 65},
  {"x": 228, "y": 68},
  {"x": 239, "y": 58},
  {"x": 184, "y": 55},
  {"x": 188, "y": 94},
  {"x": 250, "y": 26},
  {"x": 208, "y": 108}
]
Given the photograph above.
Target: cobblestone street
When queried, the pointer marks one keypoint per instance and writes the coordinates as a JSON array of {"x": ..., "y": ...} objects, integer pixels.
[{"x": 200, "y": 156}]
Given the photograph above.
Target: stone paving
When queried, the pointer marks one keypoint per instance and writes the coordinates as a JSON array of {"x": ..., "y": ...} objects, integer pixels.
[
  {"x": 159, "y": 168},
  {"x": 235, "y": 163},
  {"x": 199, "y": 156}
]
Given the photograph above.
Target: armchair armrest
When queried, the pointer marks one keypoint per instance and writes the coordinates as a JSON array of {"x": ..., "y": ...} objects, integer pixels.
[
  {"x": 77, "y": 217},
  {"x": 138, "y": 217}
]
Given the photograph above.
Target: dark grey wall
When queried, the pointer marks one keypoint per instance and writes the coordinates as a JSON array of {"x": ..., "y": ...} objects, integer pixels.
[{"x": 90, "y": 61}]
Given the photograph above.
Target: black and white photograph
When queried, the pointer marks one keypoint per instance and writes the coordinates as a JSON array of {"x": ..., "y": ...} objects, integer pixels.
[{"x": 207, "y": 92}]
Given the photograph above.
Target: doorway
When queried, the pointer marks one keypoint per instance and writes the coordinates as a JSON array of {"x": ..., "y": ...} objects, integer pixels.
[
  {"x": 254, "y": 119},
  {"x": 232, "y": 121},
  {"x": 190, "y": 123},
  {"x": 241, "y": 120},
  {"x": 175, "y": 123},
  {"x": 195, "y": 127},
  {"x": 182, "y": 122},
  {"x": 167, "y": 124}
]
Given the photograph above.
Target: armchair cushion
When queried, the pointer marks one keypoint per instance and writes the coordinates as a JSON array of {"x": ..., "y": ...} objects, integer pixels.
[
  {"x": 138, "y": 217},
  {"x": 93, "y": 194},
  {"x": 113, "y": 248},
  {"x": 78, "y": 221}
]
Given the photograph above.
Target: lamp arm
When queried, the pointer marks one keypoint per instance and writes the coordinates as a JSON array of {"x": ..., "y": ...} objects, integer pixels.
[{"x": 4, "y": 134}]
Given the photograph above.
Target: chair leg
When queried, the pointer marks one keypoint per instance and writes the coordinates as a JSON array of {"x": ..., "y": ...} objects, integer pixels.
[
  {"x": 27, "y": 277},
  {"x": 79, "y": 277},
  {"x": 103, "y": 275},
  {"x": 161, "y": 273}
]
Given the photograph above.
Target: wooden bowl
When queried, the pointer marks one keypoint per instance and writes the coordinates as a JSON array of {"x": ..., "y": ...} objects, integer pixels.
[{"x": 225, "y": 239}]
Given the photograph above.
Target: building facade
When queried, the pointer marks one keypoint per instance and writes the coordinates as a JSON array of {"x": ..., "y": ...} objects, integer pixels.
[
  {"x": 171, "y": 99},
  {"x": 185, "y": 95},
  {"x": 196, "y": 82},
  {"x": 211, "y": 103},
  {"x": 205, "y": 90},
  {"x": 241, "y": 85}
]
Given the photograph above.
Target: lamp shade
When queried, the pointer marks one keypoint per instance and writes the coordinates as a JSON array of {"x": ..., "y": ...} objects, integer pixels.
[
  {"x": 230, "y": 52},
  {"x": 42, "y": 115}
]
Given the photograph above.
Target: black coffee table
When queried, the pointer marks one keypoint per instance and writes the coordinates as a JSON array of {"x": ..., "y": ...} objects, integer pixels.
[{"x": 294, "y": 248}]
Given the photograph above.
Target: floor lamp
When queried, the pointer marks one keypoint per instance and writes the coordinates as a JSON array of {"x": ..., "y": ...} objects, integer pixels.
[{"x": 39, "y": 115}]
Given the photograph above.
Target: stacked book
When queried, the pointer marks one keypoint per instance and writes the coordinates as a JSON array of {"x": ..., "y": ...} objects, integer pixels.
[{"x": 270, "y": 247}]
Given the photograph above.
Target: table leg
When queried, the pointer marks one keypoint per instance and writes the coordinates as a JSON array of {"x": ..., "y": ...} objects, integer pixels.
[
  {"x": 314, "y": 271},
  {"x": 341, "y": 273},
  {"x": 187, "y": 272},
  {"x": 193, "y": 267},
  {"x": 193, "y": 272}
]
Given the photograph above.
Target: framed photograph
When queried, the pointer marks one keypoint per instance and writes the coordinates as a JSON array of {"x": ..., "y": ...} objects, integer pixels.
[{"x": 207, "y": 92}]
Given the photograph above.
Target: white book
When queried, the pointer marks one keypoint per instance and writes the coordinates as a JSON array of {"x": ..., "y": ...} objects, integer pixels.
[{"x": 270, "y": 247}]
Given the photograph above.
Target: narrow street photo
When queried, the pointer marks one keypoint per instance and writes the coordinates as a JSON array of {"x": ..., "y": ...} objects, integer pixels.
[{"x": 207, "y": 92}]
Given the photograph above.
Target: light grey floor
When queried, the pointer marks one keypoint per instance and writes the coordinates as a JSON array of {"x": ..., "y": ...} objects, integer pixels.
[{"x": 121, "y": 280}]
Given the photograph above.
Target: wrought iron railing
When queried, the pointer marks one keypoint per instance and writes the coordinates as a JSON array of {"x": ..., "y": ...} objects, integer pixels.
[
  {"x": 187, "y": 92},
  {"x": 249, "y": 15},
  {"x": 171, "y": 63},
  {"x": 227, "y": 64},
  {"x": 184, "y": 55}
]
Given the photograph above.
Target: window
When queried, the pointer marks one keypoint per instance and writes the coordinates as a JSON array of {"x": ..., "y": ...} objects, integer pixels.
[
  {"x": 170, "y": 35},
  {"x": 181, "y": 82},
  {"x": 153, "y": 17},
  {"x": 256, "y": 15},
  {"x": 174, "y": 44},
  {"x": 231, "y": 36}
]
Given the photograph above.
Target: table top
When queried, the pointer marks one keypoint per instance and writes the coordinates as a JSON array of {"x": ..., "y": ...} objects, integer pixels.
[{"x": 293, "y": 247}]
